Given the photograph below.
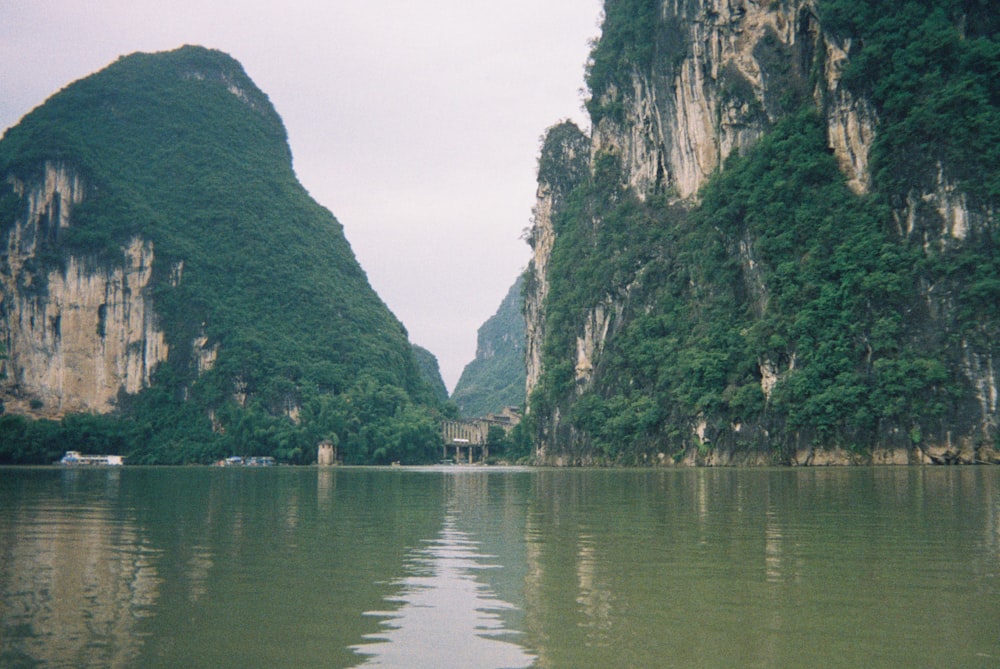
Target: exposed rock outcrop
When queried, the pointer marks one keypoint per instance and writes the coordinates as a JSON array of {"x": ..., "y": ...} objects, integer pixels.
[
  {"x": 77, "y": 333},
  {"x": 712, "y": 79},
  {"x": 564, "y": 163},
  {"x": 727, "y": 70}
]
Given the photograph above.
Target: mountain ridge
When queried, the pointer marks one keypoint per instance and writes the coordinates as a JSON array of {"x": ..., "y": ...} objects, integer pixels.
[{"x": 160, "y": 192}]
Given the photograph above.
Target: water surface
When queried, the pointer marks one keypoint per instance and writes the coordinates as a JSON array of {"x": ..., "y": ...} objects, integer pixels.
[{"x": 473, "y": 567}]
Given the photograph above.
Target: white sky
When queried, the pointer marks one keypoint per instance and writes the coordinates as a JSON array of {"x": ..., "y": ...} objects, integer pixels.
[{"x": 417, "y": 123}]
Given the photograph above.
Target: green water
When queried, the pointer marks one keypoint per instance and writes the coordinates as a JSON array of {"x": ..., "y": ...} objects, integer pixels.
[{"x": 472, "y": 567}]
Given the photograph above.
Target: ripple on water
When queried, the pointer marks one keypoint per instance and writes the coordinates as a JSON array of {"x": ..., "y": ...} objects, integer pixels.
[{"x": 445, "y": 618}]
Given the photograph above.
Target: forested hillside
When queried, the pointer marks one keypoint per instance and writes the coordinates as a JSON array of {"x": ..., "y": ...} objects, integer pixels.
[
  {"x": 431, "y": 372},
  {"x": 171, "y": 292},
  {"x": 496, "y": 378},
  {"x": 786, "y": 247}
]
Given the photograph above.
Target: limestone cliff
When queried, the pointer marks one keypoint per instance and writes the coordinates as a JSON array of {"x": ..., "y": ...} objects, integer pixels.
[
  {"x": 78, "y": 334},
  {"x": 563, "y": 165},
  {"x": 678, "y": 88},
  {"x": 724, "y": 71}
]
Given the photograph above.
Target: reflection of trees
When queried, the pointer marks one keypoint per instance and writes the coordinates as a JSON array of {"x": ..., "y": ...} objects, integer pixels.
[
  {"x": 602, "y": 568},
  {"x": 296, "y": 556},
  {"x": 736, "y": 567},
  {"x": 77, "y": 581},
  {"x": 993, "y": 517}
]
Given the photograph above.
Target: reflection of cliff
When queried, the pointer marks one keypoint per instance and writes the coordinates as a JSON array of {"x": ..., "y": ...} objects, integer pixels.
[
  {"x": 735, "y": 568},
  {"x": 77, "y": 584},
  {"x": 562, "y": 578}
]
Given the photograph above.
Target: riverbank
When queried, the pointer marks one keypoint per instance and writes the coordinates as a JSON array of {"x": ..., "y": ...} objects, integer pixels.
[{"x": 808, "y": 456}]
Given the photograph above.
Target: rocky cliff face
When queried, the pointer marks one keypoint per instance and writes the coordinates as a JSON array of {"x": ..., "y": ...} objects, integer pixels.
[
  {"x": 563, "y": 165},
  {"x": 727, "y": 71},
  {"x": 78, "y": 334},
  {"x": 721, "y": 75}
]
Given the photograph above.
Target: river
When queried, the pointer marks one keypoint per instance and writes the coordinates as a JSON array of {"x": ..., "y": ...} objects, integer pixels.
[{"x": 499, "y": 567}]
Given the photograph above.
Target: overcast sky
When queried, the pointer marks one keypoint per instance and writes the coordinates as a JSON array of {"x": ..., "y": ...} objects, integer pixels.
[{"x": 417, "y": 123}]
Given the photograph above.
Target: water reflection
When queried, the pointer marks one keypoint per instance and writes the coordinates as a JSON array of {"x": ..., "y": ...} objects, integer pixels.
[
  {"x": 704, "y": 568},
  {"x": 446, "y": 617},
  {"x": 772, "y": 548},
  {"x": 199, "y": 567},
  {"x": 326, "y": 485},
  {"x": 595, "y": 598},
  {"x": 76, "y": 580}
]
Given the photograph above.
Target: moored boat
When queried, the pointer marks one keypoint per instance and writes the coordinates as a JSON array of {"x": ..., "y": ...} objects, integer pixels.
[
  {"x": 251, "y": 461},
  {"x": 77, "y": 458}
]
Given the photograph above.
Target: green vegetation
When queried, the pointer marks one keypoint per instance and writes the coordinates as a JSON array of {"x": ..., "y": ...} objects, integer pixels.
[
  {"x": 496, "y": 378},
  {"x": 431, "y": 372},
  {"x": 183, "y": 150},
  {"x": 931, "y": 68},
  {"x": 831, "y": 285},
  {"x": 23, "y": 441},
  {"x": 781, "y": 265},
  {"x": 627, "y": 44},
  {"x": 514, "y": 447},
  {"x": 783, "y": 279}
]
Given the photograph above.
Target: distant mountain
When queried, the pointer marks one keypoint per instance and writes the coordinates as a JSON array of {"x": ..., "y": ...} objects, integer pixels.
[
  {"x": 496, "y": 378},
  {"x": 164, "y": 273}
]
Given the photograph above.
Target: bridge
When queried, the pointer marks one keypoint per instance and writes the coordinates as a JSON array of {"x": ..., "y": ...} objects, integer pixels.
[{"x": 468, "y": 440}]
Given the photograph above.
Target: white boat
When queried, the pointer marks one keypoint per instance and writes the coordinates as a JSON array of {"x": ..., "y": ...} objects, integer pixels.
[
  {"x": 77, "y": 458},
  {"x": 252, "y": 461}
]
